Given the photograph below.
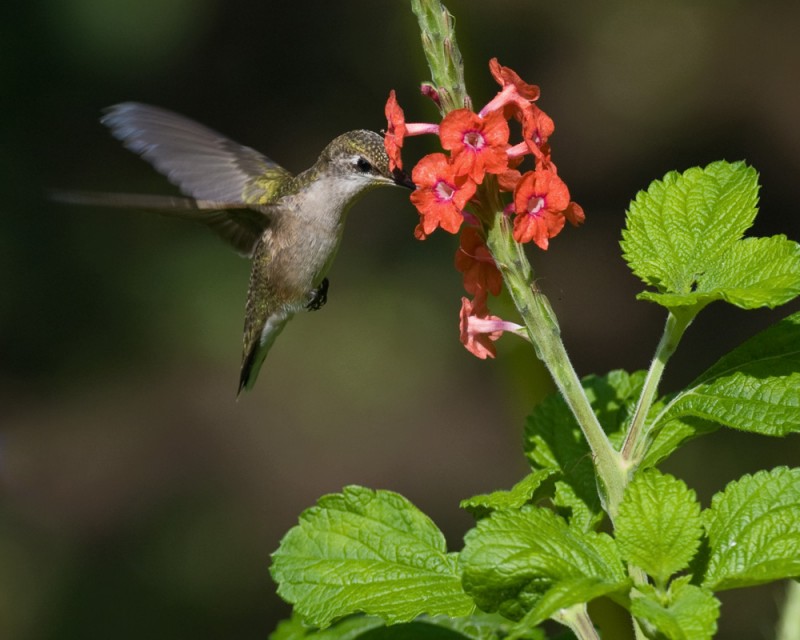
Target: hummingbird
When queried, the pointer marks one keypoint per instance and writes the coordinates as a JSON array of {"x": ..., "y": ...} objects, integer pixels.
[{"x": 289, "y": 225}]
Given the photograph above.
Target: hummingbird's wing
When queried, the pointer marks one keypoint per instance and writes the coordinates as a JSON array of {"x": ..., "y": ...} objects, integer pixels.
[
  {"x": 240, "y": 226},
  {"x": 232, "y": 184}
]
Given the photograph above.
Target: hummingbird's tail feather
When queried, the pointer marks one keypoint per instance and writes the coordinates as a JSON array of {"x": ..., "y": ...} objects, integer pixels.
[{"x": 257, "y": 352}]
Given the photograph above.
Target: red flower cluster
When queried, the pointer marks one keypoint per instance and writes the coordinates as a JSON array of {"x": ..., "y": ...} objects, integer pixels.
[{"x": 478, "y": 145}]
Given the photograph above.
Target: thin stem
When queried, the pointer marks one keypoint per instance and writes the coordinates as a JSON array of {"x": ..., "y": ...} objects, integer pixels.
[
  {"x": 636, "y": 440},
  {"x": 789, "y": 623},
  {"x": 578, "y": 620},
  {"x": 540, "y": 321},
  {"x": 639, "y": 578}
]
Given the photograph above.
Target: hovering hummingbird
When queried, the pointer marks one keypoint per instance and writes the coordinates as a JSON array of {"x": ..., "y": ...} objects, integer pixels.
[{"x": 289, "y": 225}]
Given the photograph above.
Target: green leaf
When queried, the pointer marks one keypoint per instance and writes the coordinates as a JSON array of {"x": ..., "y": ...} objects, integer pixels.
[
  {"x": 754, "y": 388},
  {"x": 521, "y": 493},
  {"x": 685, "y": 612},
  {"x": 753, "y": 531},
  {"x": 348, "y": 629},
  {"x": 365, "y": 551},
  {"x": 683, "y": 237},
  {"x": 685, "y": 221},
  {"x": 755, "y": 272},
  {"x": 565, "y": 594},
  {"x": 478, "y": 626},
  {"x": 574, "y": 509},
  {"x": 417, "y": 630},
  {"x": 670, "y": 434},
  {"x": 658, "y": 527},
  {"x": 554, "y": 441},
  {"x": 513, "y": 558}
]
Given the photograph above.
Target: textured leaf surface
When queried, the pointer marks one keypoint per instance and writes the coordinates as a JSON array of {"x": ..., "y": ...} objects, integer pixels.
[
  {"x": 565, "y": 594},
  {"x": 753, "y": 529},
  {"x": 554, "y": 441},
  {"x": 478, "y": 626},
  {"x": 754, "y": 388},
  {"x": 683, "y": 237},
  {"x": 348, "y": 629},
  {"x": 513, "y": 558},
  {"x": 520, "y": 494},
  {"x": 365, "y": 551},
  {"x": 658, "y": 527},
  {"x": 685, "y": 612}
]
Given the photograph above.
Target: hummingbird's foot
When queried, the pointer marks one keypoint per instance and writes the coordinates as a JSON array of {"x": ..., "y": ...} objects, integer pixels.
[{"x": 318, "y": 297}]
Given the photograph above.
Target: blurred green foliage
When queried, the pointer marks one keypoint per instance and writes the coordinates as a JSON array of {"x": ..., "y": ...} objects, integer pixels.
[{"x": 139, "y": 499}]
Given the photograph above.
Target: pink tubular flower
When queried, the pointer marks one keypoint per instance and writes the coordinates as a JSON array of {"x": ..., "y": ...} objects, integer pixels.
[
  {"x": 478, "y": 145},
  {"x": 540, "y": 200},
  {"x": 515, "y": 94},
  {"x": 441, "y": 195},
  {"x": 479, "y": 330},
  {"x": 477, "y": 265}
]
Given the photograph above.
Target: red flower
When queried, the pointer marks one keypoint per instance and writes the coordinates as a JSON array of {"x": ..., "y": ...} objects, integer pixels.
[
  {"x": 574, "y": 214},
  {"x": 537, "y": 127},
  {"x": 506, "y": 77},
  {"x": 477, "y": 264},
  {"x": 508, "y": 180},
  {"x": 395, "y": 131},
  {"x": 539, "y": 203},
  {"x": 478, "y": 145},
  {"x": 515, "y": 94},
  {"x": 440, "y": 196}
]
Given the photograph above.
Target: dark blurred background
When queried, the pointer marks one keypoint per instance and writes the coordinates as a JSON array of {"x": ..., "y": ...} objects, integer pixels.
[{"x": 139, "y": 499}]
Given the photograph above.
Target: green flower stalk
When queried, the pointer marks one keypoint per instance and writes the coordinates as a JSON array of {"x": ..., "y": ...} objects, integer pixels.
[{"x": 482, "y": 163}]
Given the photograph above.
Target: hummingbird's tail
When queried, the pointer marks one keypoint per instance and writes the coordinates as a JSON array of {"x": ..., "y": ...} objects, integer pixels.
[{"x": 254, "y": 357}]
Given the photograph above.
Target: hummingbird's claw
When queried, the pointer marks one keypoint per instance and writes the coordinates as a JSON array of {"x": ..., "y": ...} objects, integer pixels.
[
  {"x": 401, "y": 178},
  {"x": 318, "y": 297}
]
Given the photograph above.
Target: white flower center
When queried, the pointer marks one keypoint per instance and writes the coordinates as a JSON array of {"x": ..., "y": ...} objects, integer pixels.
[
  {"x": 444, "y": 192},
  {"x": 535, "y": 205}
]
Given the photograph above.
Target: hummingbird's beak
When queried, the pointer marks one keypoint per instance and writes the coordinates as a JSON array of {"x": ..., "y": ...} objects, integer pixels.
[{"x": 402, "y": 179}]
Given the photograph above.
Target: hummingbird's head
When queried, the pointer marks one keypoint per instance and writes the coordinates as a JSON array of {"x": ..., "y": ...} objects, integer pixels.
[{"x": 360, "y": 158}]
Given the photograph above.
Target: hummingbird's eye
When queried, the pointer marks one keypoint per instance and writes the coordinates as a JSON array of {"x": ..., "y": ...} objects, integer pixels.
[{"x": 363, "y": 165}]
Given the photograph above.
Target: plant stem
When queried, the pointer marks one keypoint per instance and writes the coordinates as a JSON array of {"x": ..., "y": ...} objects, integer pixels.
[
  {"x": 540, "y": 321},
  {"x": 637, "y": 439},
  {"x": 445, "y": 62},
  {"x": 578, "y": 620},
  {"x": 789, "y": 623},
  {"x": 441, "y": 50}
]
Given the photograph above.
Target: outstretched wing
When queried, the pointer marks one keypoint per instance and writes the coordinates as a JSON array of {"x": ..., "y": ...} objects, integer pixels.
[
  {"x": 205, "y": 165},
  {"x": 238, "y": 224}
]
